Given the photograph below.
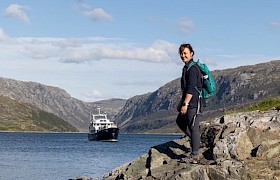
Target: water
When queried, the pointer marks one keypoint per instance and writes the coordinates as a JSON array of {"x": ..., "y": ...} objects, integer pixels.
[{"x": 62, "y": 156}]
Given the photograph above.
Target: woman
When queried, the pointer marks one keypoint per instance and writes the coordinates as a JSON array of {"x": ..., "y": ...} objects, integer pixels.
[{"x": 191, "y": 82}]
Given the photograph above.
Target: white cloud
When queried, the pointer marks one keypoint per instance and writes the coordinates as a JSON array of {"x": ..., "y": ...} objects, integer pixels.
[
  {"x": 209, "y": 62},
  {"x": 84, "y": 6},
  {"x": 160, "y": 51},
  {"x": 82, "y": 50},
  {"x": 3, "y": 36},
  {"x": 275, "y": 24},
  {"x": 98, "y": 14},
  {"x": 186, "y": 26},
  {"x": 99, "y": 65},
  {"x": 16, "y": 11},
  {"x": 93, "y": 95},
  {"x": 64, "y": 43},
  {"x": 37, "y": 52}
]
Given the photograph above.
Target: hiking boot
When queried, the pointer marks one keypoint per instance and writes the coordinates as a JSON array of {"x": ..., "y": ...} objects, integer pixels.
[{"x": 192, "y": 159}]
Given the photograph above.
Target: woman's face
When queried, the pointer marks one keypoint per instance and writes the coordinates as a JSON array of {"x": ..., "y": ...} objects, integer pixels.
[{"x": 186, "y": 55}]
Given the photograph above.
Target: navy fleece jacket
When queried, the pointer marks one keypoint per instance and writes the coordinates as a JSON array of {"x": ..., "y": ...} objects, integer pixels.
[{"x": 189, "y": 80}]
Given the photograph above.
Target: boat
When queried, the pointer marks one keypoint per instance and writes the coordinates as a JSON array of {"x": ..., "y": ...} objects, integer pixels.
[{"x": 102, "y": 129}]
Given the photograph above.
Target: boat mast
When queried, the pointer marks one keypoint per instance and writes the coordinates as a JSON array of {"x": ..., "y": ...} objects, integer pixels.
[{"x": 99, "y": 110}]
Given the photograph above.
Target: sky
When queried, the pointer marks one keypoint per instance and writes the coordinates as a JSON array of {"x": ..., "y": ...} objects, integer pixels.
[{"x": 97, "y": 50}]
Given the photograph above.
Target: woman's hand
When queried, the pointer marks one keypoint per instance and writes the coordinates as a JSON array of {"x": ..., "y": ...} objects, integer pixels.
[
  {"x": 184, "y": 110},
  {"x": 179, "y": 106}
]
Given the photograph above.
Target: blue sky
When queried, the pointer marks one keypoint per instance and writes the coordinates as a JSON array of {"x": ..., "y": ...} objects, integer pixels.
[{"x": 118, "y": 49}]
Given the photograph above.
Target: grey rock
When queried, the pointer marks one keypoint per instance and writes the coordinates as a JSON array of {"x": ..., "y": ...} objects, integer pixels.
[{"x": 228, "y": 154}]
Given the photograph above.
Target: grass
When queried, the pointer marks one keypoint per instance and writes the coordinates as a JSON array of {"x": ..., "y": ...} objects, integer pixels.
[
  {"x": 19, "y": 116},
  {"x": 263, "y": 105}
]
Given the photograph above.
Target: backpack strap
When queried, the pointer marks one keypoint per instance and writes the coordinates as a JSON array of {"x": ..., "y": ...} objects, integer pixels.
[
  {"x": 190, "y": 65},
  {"x": 197, "y": 110}
]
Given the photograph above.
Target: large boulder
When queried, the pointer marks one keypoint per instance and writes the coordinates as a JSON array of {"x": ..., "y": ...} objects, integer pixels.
[{"x": 239, "y": 146}]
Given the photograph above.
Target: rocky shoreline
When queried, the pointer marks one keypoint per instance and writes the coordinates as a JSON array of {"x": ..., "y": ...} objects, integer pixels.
[{"x": 239, "y": 146}]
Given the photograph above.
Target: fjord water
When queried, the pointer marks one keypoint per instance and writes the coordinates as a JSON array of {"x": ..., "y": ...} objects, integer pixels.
[{"x": 62, "y": 156}]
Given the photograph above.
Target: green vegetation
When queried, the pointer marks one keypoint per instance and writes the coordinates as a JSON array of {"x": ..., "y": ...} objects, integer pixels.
[
  {"x": 18, "y": 116},
  {"x": 263, "y": 105},
  {"x": 51, "y": 122}
]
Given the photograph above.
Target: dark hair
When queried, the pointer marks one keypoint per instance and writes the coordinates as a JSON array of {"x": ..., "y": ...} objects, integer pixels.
[{"x": 183, "y": 46}]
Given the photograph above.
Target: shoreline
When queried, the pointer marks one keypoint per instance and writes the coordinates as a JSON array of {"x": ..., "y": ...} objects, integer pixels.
[{"x": 84, "y": 132}]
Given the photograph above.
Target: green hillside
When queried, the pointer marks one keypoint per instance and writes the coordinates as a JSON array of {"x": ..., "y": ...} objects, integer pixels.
[
  {"x": 262, "y": 105},
  {"x": 18, "y": 116}
]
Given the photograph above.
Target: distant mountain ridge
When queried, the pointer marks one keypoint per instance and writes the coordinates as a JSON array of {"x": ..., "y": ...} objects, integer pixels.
[
  {"x": 236, "y": 87},
  {"x": 53, "y": 100},
  {"x": 156, "y": 111}
]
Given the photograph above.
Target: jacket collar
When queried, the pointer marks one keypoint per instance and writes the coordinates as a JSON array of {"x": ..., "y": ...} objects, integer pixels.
[{"x": 188, "y": 63}]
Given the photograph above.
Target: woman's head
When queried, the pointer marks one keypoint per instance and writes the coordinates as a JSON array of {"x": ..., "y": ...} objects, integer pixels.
[{"x": 186, "y": 52}]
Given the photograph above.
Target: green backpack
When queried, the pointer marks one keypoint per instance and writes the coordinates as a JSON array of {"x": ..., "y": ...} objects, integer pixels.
[{"x": 208, "y": 84}]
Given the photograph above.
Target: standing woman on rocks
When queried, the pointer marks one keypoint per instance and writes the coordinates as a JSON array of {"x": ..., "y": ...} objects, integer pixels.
[{"x": 191, "y": 80}]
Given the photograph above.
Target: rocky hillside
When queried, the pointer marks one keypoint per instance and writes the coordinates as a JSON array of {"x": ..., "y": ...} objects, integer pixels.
[
  {"x": 110, "y": 106},
  {"x": 151, "y": 112},
  {"x": 54, "y": 100},
  {"x": 236, "y": 87},
  {"x": 240, "y": 146},
  {"x": 18, "y": 116}
]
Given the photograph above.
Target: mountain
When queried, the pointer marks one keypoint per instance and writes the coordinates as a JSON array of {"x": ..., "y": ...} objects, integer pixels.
[
  {"x": 152, "y": 112},
  {"x": 110, "y": 106},
  {"x": 18, "y": 116},
  {"x": 236, "y": 88},
  {"x": 55, "y": 100}
]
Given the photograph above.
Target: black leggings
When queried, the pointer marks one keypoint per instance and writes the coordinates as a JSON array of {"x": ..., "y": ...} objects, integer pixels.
[{"x": 185, "y": 124}]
